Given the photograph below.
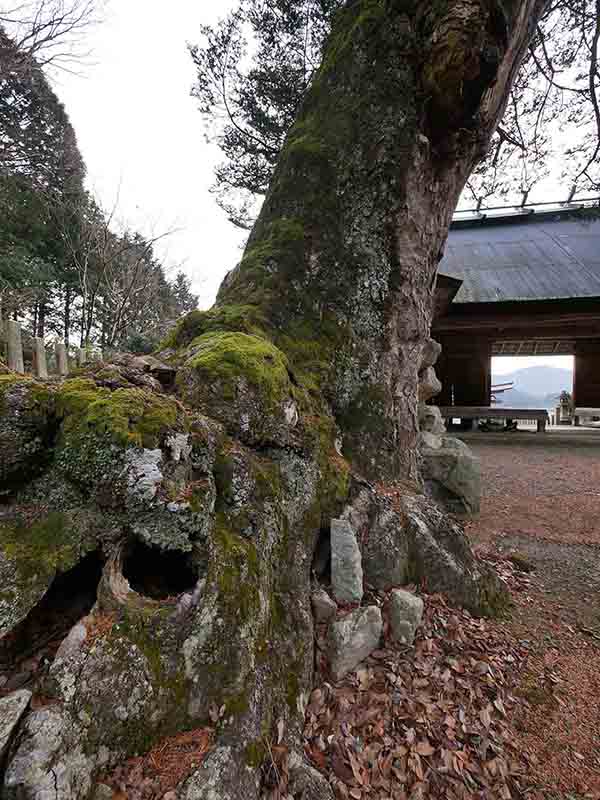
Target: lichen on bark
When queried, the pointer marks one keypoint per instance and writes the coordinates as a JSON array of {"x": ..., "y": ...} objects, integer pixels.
[{"x": 300, "y": 385}]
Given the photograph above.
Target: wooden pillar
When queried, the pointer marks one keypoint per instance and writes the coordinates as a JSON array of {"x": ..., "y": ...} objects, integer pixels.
[
  {"x": 62, "y": 360},
  {"x": 15, "y": 346},
  {"x": 39, "y": 355},
  {"x": 465, "y": 371},
  {"x": 586, "y": 376}
]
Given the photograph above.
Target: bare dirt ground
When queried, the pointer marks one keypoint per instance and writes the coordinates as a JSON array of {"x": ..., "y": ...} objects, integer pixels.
[{"x": 541, "y": 507}]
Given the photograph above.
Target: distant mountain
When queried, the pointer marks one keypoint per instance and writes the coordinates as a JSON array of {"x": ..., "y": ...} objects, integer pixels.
[{"x": 534, "y": 387}]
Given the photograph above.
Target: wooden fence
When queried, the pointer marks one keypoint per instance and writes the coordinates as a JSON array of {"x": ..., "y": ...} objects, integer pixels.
[{"x": 15, "y": 360}]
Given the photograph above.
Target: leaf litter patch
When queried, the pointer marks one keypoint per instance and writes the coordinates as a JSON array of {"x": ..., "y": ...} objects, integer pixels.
[
  {"x": 432, "y": 721},
  {"x": 162, "y": 769}
]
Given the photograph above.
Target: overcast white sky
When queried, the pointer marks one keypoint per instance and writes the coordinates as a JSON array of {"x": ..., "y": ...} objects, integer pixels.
[
  {"x": 141, "y": 135},
  {"x": 142, "y": 138}
]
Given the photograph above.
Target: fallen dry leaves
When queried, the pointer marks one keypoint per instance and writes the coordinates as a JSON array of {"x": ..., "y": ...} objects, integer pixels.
[
  {"x": 98, "y": 625},
  {"x": 162, "y": 769},
  {"x": 432, "y": 721}
]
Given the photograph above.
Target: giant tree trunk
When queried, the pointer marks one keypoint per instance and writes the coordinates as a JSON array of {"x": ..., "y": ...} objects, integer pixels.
[
  {"x": 309, "y": 364},
  {"x": 342, "y": 261}
]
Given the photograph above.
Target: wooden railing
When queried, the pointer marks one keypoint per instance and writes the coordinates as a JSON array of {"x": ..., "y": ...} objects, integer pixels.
[{"x": 15, "y": 360}]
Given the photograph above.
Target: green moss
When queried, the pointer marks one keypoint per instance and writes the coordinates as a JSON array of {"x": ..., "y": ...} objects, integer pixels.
[
  {"x": 229, "y": 356},
  {"x": 494, "y": 598},
  {"x": 223, "y": 471},
  {"x": 39, "y": 400},
  {"x": 242, "y": 318},
  {"x": 521, "y": 562},
  {"x": 280, "y": 243},
  {"x": 292, "y": 690},
  {"x": 358, "y": 18},
  {"x": 237, "y": 571},
  {"x": 127, "y": 416},
  {"x": 151, "y": 637},
  {"x": 41, "y": 548},
  {"x": 267, "y": 478},
  {"x": 146, "y": 628},
  {"x": 9, "y": 380},
  {"x": 236, "y": 704},
  {"x": 256, "y": 752}
]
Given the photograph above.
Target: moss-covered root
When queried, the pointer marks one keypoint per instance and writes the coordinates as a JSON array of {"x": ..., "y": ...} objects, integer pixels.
[{"x": 243, "y": 381}]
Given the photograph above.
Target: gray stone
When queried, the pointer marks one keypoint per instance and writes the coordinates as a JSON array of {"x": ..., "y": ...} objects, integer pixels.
[
  {"x": 305, "y": 782},
  {"x": 102, "y": 792},
  {"x": 352, "y": 639},
  {"x": 429, "y": 385},
  {"x": 14, "y": 346},
  {"x": 430, "y": 440},
  {"x": 411, "y": 539},
  {"x": 222, "y": 776},
  {"x": 452, "y": 476},
  {"x": 430, "y": 354},
  {"x": 143, "y": 473},
  {"x": 50, "y": 763},
  {"x": 431, "y": 420},
  {"x": 324, "y": 608},
  {"x": 73, "y": 642},
  {"x": 62, "y": 359},
  {"x": 12, "y": 709},
  {"x": 346, "y": 563},
  {"x": 41, "y": 365},
  {"x": 406, "y": 613},
  {"x": 385, "y": 546},
  {"x": 180, "y": 447}
]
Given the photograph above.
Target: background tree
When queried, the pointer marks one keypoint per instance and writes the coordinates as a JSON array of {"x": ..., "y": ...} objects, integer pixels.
[
  {"x": 255, "y": 66},
  {"x": 48, "y": 33},
  {"x": 64, "y": 266}
]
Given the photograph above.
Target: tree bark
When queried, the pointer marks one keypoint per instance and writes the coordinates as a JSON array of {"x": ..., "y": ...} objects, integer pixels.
[
  {"x": 313, "y": 349},
  {"x": 344, "y": 254}
]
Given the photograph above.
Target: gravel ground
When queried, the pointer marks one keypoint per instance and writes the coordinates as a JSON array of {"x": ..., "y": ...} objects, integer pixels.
[{"x": 541, "y": 506}]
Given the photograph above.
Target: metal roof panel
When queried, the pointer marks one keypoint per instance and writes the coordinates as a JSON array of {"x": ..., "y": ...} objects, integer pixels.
[{"x": 529, "y": 260}]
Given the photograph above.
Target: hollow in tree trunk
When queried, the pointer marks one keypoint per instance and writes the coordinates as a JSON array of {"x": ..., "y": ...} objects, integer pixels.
[{"x": 299, "y": 394}]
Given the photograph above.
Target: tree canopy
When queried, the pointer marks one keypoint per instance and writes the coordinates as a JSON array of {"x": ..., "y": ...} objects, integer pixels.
[{"x": 255, "y": 65}]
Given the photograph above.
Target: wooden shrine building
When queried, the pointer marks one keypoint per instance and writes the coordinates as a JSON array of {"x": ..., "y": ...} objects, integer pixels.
[{"x": 522, "y": 283}]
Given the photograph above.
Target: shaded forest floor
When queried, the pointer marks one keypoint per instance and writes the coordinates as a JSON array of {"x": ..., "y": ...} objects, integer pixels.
[{"x": 541, "y": 508}]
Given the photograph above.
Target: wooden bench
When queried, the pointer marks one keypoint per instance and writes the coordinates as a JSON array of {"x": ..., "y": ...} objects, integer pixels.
[
  {"x": 475, "y": 413},
  {"x": 584, "y": 413}
]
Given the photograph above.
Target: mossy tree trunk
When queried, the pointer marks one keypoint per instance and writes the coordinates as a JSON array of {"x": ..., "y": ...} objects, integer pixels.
[
  {"x": 341, "y": 264},
  {"x": 313, "y": 350}
]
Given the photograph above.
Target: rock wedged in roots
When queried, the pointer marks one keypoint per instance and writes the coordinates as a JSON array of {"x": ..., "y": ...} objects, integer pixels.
[{"x": 452, "y": 475}]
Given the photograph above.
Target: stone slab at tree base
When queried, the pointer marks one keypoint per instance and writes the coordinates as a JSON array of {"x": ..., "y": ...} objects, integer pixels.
[
  {"x": 431, "y": 420},
  {"x": 346, "y": 563},
  {"x": 408, "y": 538},
  {"x": 324, "y": 608},
  {"x": 452, "y": 475},
  {"x": 352, "y": 639},
  {"x": 406, "y": 613}
]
